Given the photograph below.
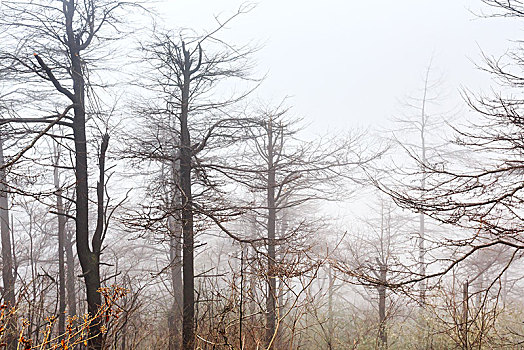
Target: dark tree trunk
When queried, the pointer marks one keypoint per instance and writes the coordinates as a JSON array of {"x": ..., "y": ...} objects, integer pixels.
[
  {"x": 465, "y": 316},
  {"x": 77, "y": 35},
  {"x": 188, "y": 331},
  {"x": 8, "y": 277},
  {"x": 271, "y": 228},
  {"x": 89, "y": 259}
]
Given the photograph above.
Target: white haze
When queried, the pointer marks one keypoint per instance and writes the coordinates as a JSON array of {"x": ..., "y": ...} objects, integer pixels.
[{"x": 347, "y": 63}]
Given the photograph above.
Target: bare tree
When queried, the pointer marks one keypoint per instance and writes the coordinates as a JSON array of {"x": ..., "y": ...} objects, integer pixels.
[
  {"x": 377, "y": 255},
  {"x": 186, "y": 71},
  {"x": 424, "y": 117},
  {"x": 481, "y": 196},
  {"x": 290, "y": 173},
  {"x": 58, "y": 35}
]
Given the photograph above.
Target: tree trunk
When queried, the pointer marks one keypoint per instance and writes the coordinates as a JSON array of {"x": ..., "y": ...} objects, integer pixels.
[
  {"x": 70, "y": 280},
  {"x": 283, "y": 232},
  {"x": 61, "y": 259},
  {"x": 422, "y": 232},
  {"x": 382, "y": 334},
  {"x": 89, "y": 257},
  {"x": 175, "y": 315},
  {"x": 271, "y": 224},
  {"x": 465, "y": 315},
  {"x": 8, "y": 277},
  {"x": 89, "y": 260},
  {"x": 330, "y": 335},
  {"x": 175, "y": 256},
  {"x": 188, "y": 331}
]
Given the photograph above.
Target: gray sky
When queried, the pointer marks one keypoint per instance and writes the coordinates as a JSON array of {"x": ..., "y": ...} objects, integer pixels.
[{"x": 347, "y": 63}]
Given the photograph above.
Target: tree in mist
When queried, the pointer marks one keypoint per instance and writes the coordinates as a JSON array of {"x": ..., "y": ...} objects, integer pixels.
[
  {"x": 59, "y": 42},
  {"x": 194, "y": 117},
  {"x": 376, "y": 255},
  {"x": 288, "y": 174},
  {"x": 482, "y": 195},
  {"x": 424, "y": 122},
  {"x": 165, "y": 222},
  {"x": 226, "y": 240}
]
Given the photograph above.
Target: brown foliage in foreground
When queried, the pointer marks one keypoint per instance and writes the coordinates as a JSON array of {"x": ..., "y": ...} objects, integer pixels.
[{"x": 77, "y": 330}]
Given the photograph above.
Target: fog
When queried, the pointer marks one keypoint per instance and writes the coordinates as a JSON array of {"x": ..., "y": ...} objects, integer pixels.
[
  {"x": 274, "y": 175},
  {"x": 351, "y": 61}
]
